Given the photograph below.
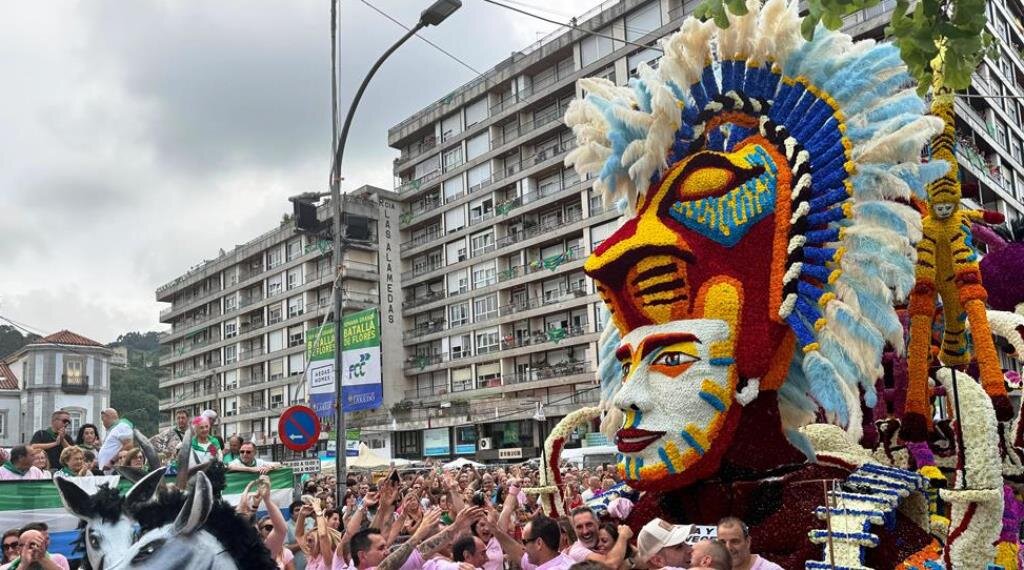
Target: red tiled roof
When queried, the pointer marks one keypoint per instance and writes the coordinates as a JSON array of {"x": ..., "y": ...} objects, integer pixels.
[
  {"x": 67, "y": 337},
  {"x": 8, "y": 381}
]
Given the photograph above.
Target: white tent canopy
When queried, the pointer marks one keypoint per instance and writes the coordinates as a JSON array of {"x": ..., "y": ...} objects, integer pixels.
[
  {"x": 366, "y": 459},
  {"x": 460, "y": 463}
]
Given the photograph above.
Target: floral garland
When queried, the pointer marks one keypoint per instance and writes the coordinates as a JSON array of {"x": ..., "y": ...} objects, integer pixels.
[
  {"x": 976, "y": 513},
  {"x": 550, "y": 494}
]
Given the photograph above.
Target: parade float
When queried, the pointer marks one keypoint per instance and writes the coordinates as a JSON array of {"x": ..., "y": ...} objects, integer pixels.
[{"x": 781, "y": 196}]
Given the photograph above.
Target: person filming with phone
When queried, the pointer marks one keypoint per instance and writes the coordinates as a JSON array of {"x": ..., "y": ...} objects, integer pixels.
[{"x": 54, "y": 439}]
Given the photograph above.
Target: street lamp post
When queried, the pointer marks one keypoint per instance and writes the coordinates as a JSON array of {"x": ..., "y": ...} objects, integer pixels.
[{"x": 432, "y": 16}]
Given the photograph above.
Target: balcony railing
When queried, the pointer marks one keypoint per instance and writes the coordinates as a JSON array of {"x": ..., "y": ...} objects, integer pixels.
[
  {"x": 564, "y": 295},
  {"x": 421, "y": 330},
  {"x": 422, "y": 181},
  {"x": 559, "y": 370},
  {"x": 511, "y": 132},
  {"x": 547, "y": 372},
  {"x": 420, "y": 270},
  {"x": 74, "y": 384},
  {"x": 542, "y": 337},
  {"x": 424, "y": 238},
  {"x": 428, "y": 298},
  {"x": 417, "y": 148}
]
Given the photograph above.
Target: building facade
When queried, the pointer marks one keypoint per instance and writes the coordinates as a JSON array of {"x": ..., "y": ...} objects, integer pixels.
[
  {"x": 238, "y": 323},
  {"x": 10, "y": 407},
  {"x": 62, "y": 371},
  {"x": 500, "y": 322}
]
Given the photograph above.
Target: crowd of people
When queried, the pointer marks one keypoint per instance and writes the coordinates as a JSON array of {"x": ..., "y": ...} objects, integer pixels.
[
  {"x": 55, "y": 452},
  {"x": 434, "y": 519},
  {"x": 424, "y": 518}
]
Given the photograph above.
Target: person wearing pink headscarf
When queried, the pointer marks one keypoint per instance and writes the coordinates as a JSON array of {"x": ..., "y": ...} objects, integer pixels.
[{"x": 205, "y": 447}]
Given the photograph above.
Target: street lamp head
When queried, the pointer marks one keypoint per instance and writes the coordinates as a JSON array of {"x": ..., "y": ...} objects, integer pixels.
[{"x": 439, "y": 11}]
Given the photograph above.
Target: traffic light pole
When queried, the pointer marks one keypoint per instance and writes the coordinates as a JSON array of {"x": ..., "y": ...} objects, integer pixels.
[{"x": 339, "y": 331}]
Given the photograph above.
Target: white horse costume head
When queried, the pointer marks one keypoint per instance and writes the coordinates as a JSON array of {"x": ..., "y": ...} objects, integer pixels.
[
  {"x": 107, "y": 531},
  {"x": 182, "y": 543}
]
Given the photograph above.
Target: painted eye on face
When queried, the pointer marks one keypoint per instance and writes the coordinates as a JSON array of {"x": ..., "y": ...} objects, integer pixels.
[
  {"x": 626, "y": 367},
  {"x": 673, "y": 363}
]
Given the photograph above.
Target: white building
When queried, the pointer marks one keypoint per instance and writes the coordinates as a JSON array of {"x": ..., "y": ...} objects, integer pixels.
[{"x": 63, "y": 371}]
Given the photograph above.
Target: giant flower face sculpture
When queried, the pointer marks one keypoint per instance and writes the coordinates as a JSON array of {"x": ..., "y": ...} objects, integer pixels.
[
  {"x": 764, "y": 182},
  {"x": 677, "y": 390}
]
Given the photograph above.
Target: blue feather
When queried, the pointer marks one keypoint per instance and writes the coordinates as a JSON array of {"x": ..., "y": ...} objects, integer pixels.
[{"x": 824, "y": 382}]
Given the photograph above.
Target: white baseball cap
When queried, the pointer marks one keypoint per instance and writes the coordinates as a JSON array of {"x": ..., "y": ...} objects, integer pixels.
[{"x": 659, "y": 534}]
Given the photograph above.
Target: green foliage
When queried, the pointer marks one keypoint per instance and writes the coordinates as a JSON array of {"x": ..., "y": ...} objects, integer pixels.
[
  {"x": 134, "y": 394},
  {"x": 147, "y": 342},
  {"x": 11, "y": 340},
  {"x": 960, "y": 24}
]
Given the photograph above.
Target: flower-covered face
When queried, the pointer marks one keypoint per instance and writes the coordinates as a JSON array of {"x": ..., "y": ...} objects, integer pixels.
[
  {"x": 712, "y": 216},
  {"x": 678, "y": 384},
  {"x": 943, "y": 210}
]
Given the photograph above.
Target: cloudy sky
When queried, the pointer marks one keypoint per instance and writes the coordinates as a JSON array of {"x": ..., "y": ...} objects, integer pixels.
[{"x": 140, "y": 137}]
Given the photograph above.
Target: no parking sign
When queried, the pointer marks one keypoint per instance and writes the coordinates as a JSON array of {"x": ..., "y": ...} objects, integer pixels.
[{"x": 299, "y": 428}]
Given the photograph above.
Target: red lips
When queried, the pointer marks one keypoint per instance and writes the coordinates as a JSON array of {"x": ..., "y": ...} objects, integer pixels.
[{"x": 632, "y": 440}]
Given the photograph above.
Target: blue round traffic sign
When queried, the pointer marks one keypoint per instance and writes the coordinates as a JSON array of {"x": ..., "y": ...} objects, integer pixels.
[{"x": 298, "y": 428}]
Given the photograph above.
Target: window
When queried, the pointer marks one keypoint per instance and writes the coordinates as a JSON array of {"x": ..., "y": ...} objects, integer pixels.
[
  {"x": 74, "y": 371},
  {"x": 453, "y": 158},
  {"x": 274, "y": 314},
  {"x": 295, "y": 307},
  {"x": 451, "y": 126},
  {"x": 458, "y": 282},
  {"x": 453, "y": 188},
  {"x": 294, "y": 278},
  {"x": 274, "y": 285},
  {"x": 460, "y": 346},
  {"x": 462, "y": 379},
  {"x": 487, "y": 342},
  {"x": 230, "y": 354},
  {"x": 277, "y": 398},
  {"x": 479, "y": 176},
  {"x": 476, "y": 111},
  {"x": 456, "y": 251},
  {"x": 600, "y": 233},
  {"x": 481, "y": 210},
  {"x": 649, "y": 56},
  {"x": 425, "y": 167},
  {"x": 408, "y": 443},
  {"x": 274, "y": 257},
  {"x": 488, "y": 375},
  {"x": 230, "y": 330},
  {"x": 477, "y": 145},
  {"x": 230, "y": 379},
  {"x": 485, "y": 307},
  {"x": 455, "y": 220},
  {"x": 594, "y": 47},
  {"x": 482, "y": 243},
  {"x": 643, "y": 21},
  {"x": 276, "y": 368},
  {"x": 295, "y": 336},
  {"x": 296, "y": 363},
  {"x": 484, "y": 275},
  {"x": 3, "y": 423},
  {"x": 458, "y": 315},
  {"x": 294, "y": 249},
  {"x": 230, "y": 303}
]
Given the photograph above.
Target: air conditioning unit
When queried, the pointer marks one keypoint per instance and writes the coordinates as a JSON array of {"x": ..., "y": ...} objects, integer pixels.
[{"x": 486, "y": 443}]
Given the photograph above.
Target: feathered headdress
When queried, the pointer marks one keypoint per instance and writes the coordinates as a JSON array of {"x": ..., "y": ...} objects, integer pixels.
[{"x": 852, "y": 129}]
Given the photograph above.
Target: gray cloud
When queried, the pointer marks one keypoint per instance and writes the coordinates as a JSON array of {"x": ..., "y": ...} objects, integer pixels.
[{"x": 141, "y": 137}]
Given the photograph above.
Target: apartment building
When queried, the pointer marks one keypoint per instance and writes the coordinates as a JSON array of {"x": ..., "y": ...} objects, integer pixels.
[
  {"x": 238, "y": 322},
  {"x": 500, "y": 322}
]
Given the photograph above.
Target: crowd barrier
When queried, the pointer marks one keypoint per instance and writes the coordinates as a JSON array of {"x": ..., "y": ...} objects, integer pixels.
[{"x": 22, "y": 502}]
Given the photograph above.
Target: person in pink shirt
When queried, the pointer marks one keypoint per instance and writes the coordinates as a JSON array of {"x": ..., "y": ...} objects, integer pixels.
[
  {"x": 585, "y": 523},
  {"x": 19, "y": 466},
  {"x": 736, "y": 536},
  {"x": 663, "y": 545}
]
